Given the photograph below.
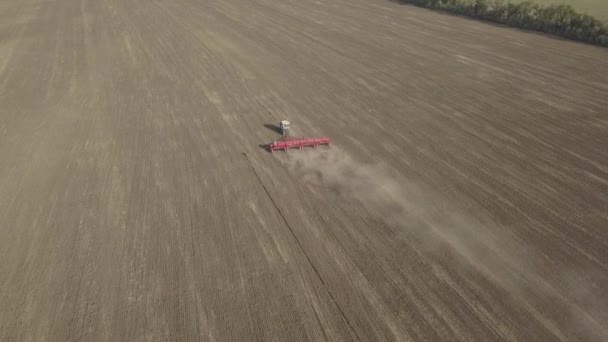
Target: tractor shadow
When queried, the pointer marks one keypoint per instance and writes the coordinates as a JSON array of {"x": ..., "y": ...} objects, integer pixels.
[
  {"x": 274, "y": 128},
  {"x": 264, "y": 147}
]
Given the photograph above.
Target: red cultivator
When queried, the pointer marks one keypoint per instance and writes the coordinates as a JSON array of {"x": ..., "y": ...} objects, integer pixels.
[{"x": 287, "y": 143}]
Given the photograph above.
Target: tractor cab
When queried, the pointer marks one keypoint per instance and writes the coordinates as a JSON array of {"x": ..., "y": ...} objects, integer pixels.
[{"x": 284, "y": 125}]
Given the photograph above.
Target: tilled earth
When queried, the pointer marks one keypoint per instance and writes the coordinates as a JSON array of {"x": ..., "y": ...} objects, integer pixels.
[{"x": 464, "y": 196}]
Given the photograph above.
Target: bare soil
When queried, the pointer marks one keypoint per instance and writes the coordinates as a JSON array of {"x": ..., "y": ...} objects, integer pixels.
[{"x": 464, "y": 197}]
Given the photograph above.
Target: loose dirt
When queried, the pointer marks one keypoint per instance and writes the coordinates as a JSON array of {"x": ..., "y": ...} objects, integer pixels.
[{"x": 463, "y": 197}]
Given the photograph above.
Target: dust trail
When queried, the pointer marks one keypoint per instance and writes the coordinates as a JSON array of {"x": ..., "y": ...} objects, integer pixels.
[{"x": 496, "y": 252}]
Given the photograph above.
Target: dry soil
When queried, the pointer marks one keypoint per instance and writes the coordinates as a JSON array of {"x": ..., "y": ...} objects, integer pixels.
[{"x": 464, "y": 196}]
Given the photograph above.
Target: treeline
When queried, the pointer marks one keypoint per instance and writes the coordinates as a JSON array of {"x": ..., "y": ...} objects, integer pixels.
[{"x": 560, "y": 20}]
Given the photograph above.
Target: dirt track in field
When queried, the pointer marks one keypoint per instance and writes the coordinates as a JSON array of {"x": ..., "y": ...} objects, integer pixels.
[{"x": 464, "y": 196}]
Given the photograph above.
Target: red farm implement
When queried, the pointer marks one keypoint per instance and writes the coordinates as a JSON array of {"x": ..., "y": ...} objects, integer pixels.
[{"x": 287, "y": 143}]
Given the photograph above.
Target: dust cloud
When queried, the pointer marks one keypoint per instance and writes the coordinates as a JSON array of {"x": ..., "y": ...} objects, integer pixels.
[{"x": 495, "y": 252}]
